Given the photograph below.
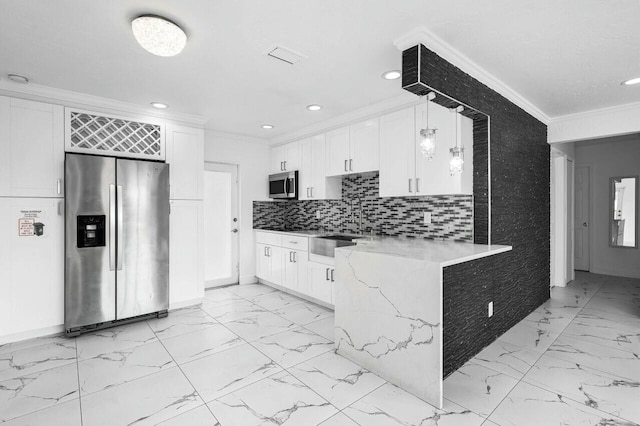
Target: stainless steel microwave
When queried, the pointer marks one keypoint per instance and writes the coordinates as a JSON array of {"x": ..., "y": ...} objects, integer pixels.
[{"x": 284, "y": 185}]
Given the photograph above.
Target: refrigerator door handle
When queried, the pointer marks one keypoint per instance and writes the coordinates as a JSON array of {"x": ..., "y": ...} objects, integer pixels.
[
  {"x": 119, "y": 238},
  {"x": 112, "y": 227}
]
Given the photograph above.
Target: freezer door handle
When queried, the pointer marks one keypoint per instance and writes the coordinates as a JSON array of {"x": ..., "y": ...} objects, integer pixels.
[
  {"x": 120, "y": 225},
  {"x": 112, "y": 227}
]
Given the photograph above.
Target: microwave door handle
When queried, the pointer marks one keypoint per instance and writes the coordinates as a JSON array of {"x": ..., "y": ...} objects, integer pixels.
[{"x": 286, "y": 186}]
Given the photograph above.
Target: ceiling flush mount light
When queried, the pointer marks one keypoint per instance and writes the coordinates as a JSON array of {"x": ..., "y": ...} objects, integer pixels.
[
  {"x": 158, "y": 35},
  {"x": 392, "y": 75},
  {"x": 427, "y": 135},
  {"x": 267, "y": 126},
  {"x": 18, "y": 78},
  {"x": 159, "y": 105},
  {"x": 632, "y": 81},
  {"x": 456, "y": 162},
  {"x": 314, "y": 107}
]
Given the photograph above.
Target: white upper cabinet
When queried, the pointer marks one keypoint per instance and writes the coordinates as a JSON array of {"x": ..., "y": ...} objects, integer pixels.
[
  {"x": 397, "y": 153},
  {"x": 404, "y": 171},
  {"x": 32, "y": 148},
  {"x": 313, "y": 183},
  {"x": 337, "y": 152},
  {"x": 364, "y": 146},
  {"x": 185, "y": 154},
  {"x": 353, "y": 149},
  {"x": 285, "y": 158}
]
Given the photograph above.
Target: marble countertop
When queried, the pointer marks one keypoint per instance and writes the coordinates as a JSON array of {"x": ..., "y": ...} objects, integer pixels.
[
  {"x": 302, "y": 233},
  {"x": 444, "y": 253}
]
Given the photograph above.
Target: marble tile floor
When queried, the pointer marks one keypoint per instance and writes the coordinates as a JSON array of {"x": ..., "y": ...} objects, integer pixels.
[{"x": 252, "y": 355}]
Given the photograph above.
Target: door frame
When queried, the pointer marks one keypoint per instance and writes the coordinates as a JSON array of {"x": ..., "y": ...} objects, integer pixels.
[
  {"x": 562, "y": 206},
  {"x": 211, "y": 166}
]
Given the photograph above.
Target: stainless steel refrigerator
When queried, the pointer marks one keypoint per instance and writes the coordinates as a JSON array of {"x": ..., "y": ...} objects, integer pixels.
[{"x": 116, "y": 241}]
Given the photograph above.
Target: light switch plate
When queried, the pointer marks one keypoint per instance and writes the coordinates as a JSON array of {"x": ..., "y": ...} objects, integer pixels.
[
  {"x": 490, "y": 309},
  {"x": 427, "y": 218},
  {"x": 317, "y": 214}
]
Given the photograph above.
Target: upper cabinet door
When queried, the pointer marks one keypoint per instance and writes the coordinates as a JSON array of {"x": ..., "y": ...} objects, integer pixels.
[
  {"x": 292, "y": 156},
  {"x": 32, "y": 144},
  {"x": 364, "y": 150},
  {"x": 276, "y": 159},
  {"x": 337, "y": 152},
  {"x": 306, "y": 177},
  {"x": 397, "y": 153},
  {"x": 185, "y": 154}
]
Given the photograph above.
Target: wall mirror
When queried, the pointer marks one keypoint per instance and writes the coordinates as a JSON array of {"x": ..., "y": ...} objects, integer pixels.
[{"x": 623, "y": 210}]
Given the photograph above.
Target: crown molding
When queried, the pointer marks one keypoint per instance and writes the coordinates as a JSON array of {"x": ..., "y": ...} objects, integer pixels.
[
  {"x": 595, "y": 124},
  {"x": 236, "y": 137},
  {"x": 82, "y": 100},
  {"x": 422, "y": 35},
  {"x": 404, "y": 100}
]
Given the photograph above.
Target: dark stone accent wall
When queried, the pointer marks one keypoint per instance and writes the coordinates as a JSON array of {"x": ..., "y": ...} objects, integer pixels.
[
  {"x": 393, "y": 216},
  {"x": 517, "y": 281}
]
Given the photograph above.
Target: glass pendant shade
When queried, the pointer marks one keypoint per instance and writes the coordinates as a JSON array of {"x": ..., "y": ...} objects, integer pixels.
[
  {"x": 456, "y": 162},
  {"x": 428, "y": 143}
]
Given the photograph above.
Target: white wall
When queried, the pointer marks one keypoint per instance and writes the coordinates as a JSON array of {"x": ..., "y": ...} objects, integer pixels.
[
  {"x": 619, "y": 120},
  {"x": 252, "y": 157},
  {"x": 610, "y": 158}
]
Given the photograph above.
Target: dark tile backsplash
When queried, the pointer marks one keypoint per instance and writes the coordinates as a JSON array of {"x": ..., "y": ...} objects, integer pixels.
[{"x": 452, "y": 215}]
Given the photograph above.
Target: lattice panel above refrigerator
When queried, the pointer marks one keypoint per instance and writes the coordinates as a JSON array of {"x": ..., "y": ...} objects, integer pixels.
[{"x": 93, "y": 133}]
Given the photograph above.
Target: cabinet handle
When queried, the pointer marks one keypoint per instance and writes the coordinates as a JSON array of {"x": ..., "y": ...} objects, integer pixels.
[
  {"x": 59, "y": 186},
  {"x": 311, "y": 191},
  {"x": 326, "y": 278},
  {"x": 410, "y": 187},
  {"x": 332, "y": 280},
  {"x": 308, "y": 196},
  {"x": 351, "y": 164},
  {"x": 268, "y": 251},
  {"x": 290, "y": 257},
  {"x": 345, "y": 166},
  {"x": 417, "y": 184},
  {"x": 295, "y": 257},
  {"x": 285, "y": 166},
  {"x": 265, "y": 252}
]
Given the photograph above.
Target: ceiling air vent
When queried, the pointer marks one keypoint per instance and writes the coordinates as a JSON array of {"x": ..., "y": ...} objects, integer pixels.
[{"x": 285, "y": 55}]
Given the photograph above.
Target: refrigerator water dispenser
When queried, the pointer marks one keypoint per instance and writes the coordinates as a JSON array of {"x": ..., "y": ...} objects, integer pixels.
[{"x": 91, "y": 231}]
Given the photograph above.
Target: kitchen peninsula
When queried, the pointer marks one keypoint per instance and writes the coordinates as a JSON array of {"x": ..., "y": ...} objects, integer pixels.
[{"x": 389, "y": 307}]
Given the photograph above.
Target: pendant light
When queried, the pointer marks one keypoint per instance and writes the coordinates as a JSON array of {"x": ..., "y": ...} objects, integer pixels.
[
  {"x": 456, "y": 162},
  {"x": 427, "y": 135}
]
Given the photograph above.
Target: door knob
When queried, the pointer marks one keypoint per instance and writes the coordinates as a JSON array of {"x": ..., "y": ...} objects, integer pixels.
[
  {"x": 584, "y": 224},
  {"x": 234, "y": 230}
]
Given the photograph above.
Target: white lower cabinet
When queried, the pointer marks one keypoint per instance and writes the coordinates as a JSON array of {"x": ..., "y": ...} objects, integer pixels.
[
  {"x": 321, "y": 279},
  {"x": 186, "y": 252},
  {"x": 32, "y": 265},
  {"x": 269, "y": 263},
  {"x": 295, "y": 270}
]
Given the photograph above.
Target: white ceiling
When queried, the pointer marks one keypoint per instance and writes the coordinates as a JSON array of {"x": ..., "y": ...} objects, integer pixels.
[{"x": 563, "y": 56}]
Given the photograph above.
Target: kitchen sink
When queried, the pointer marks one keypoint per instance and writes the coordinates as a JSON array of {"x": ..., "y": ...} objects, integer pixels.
[{"x": 324, "y": 245}]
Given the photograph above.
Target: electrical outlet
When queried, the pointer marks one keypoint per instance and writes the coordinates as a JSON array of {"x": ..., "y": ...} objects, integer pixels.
[
  {"x": 427, "y": 218},
  {"x": 317, "y": 214},
  {"x": 490, "y": 309}
]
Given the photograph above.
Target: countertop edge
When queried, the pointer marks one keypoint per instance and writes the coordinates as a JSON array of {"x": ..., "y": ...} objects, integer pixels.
[{"x": 497, "y": 250}]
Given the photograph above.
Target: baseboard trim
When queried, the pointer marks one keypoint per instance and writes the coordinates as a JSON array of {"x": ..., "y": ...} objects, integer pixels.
[
  {"x": 616, "y": 272},
  {"x": 248, "y": 279},
  {"x": 295, "y": 293},
  {"x": 32, "y": 334},
  {"x": 184, "y": 304}
]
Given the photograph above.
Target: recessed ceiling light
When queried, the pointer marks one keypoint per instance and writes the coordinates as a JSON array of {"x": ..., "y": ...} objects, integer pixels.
[
  {"x": 158, "y": 35},
  {"x": 267, "y": 126},
  {"x": 18, "y": 78},
  {"x": 159, "y": 105},
  {"x": 631, "y": 82},
  {"x": 314, "y": 107},
  {"x": 392, "y": 75}
]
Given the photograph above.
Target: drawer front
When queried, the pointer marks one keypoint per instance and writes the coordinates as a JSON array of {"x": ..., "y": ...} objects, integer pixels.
[
  {"x": 269, "y": 238},
  {"x": 295, "y": 242}
]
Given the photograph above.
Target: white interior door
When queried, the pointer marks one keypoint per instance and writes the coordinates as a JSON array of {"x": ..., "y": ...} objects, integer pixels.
[
  {"x": 570, "y": 276},
  {"x": 582, "y": 217},
  {"x": 221, "y": 224}
]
